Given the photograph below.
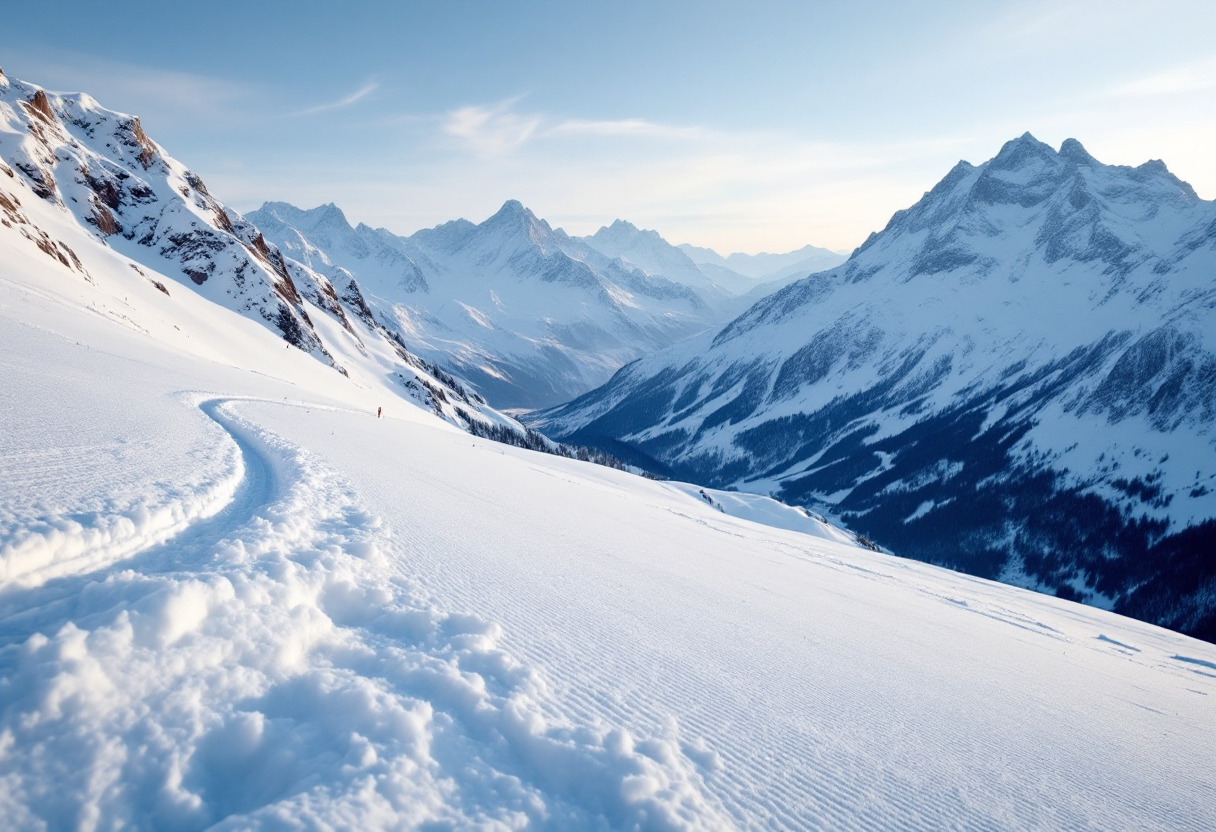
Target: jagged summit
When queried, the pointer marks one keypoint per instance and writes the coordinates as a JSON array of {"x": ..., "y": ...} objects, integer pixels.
[
  {"x": 1073, "y": 151},
  {"x": 512, "y": 211},
  {"x": 514, "y": 218},
  {"x": 326, "y": 214},
  {"x": 330, "y": 213},
  {"x": 624, "y": 228},
  {"x": 1079, "y": 209}
]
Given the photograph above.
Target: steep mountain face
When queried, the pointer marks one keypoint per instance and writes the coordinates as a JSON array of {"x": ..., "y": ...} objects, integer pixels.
[
  {"x": 1015, "y": 378},
  {"x": 102, "y": 168},
  {"x": 527, "y": 313},
  {"x": 76, "y": 177}
]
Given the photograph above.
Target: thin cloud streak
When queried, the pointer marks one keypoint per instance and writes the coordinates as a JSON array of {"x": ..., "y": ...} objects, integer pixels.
[
  {"x": 358, "y": 95},
  {"x": 625, "y": 127},
  {"x": 495, "y": 130},
  {"x": 1194, "y": 77}
]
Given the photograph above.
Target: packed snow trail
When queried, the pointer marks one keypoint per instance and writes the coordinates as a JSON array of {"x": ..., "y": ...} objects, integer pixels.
[
  {"x": 270, "y": 667},
  {"x": 250, "y": 483}
]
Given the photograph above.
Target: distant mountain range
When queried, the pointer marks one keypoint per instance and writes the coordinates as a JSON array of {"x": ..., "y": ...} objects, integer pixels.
[
  {"x": 528, "y": 314},
  {"x": 768, "y": 267},
  {"x": 1015, "y": 378}
]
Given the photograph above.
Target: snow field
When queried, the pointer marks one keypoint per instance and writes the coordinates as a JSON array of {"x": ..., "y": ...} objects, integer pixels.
[
  {"x": 286, "y": 676},
  {"x": 72, "y": 456},
  {"x": 822, "y": 686},
  {"x": 765, "y": 511},
  {"x": 635, "y": 658}
]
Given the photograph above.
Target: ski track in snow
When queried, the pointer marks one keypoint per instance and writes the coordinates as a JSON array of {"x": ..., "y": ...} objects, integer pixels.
[{"x": 269, "y": 668}]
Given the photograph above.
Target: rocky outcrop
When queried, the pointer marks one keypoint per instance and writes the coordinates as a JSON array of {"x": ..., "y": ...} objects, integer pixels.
[{"x": 103, "y": 168}]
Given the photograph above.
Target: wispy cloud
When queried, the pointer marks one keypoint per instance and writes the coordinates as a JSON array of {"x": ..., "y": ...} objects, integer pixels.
[
  {"x": 358, "y": 95},
  {"x": 625, "y": 127},
  {"x": 492, "y": 130},
  {"x": 496, "y": 130},
  {"x": 1194, "y": 77}
]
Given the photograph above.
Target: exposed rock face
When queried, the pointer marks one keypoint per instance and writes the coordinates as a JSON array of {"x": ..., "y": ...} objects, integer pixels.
[
  {"x": 1016, "y": 378},
  {"x": 101, "y": 166}
]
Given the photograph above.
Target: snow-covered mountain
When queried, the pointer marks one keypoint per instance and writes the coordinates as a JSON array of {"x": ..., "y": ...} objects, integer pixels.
[
  {"x": 75, "y": 176},
  {"x": 530, "y": 315},
  {"x": 646, "y": 250},
  {"x": 1015, "y": 378}
]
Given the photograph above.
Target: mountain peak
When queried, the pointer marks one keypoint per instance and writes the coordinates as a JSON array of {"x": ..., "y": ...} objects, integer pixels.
[
  {"x": 515, "y": 215},
  {"x": 624, "y": 230},
  {"x": 329, "y": 217},
  {"x": 1019, "y": 152},
  {"x": 513, "y": 208},
  {"x": 1073, "y": 151}
]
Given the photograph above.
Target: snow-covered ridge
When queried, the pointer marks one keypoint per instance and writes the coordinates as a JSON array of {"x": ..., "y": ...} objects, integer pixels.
[
  {"x": 646, "y": 250},
  {"x": 527, "y": 313},
  {"x": 102, "y": 168},
  {"x": 767, "y": 267},
  {"x": 1032, "y": 341}
]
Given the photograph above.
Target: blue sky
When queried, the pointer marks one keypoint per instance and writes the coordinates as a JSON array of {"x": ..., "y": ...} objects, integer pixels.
[{"x": 757, "y": 126}]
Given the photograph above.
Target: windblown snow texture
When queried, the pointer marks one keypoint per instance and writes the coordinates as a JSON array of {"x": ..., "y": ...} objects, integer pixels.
[{"x": 1015, "y": 378}]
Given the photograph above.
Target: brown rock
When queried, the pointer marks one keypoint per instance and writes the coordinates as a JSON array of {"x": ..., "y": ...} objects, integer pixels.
[
  {"x": 104, "y": 220},
  {"x": 40, "y": 107}
]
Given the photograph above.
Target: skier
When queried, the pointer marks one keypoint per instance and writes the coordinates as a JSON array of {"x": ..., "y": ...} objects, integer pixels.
[{"x": 379, "y": 410}]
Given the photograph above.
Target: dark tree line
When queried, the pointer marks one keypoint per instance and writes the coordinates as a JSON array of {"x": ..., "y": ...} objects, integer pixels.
[{"x": 535, "y": 441}]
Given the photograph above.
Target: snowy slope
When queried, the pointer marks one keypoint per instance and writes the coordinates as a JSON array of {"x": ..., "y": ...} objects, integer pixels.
[
  {"x": 1016, "y": 378},
  {"x": 528, "y": 314},
  {"x": 384, "y": 624}
]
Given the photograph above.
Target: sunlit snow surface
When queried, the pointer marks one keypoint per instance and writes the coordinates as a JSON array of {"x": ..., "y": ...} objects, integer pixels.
[{"x": 357, "y": 623}]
